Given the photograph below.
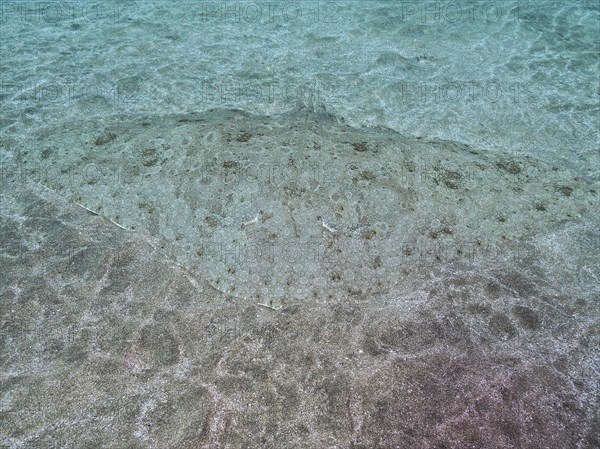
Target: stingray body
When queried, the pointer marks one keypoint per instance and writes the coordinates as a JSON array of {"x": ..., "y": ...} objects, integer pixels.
[{"x": 302, "y": 206}]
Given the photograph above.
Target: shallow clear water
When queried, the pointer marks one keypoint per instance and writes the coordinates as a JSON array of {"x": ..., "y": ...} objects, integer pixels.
[
  {"x": 518, "y": 77},
  {"x": 299, "y": 224}
]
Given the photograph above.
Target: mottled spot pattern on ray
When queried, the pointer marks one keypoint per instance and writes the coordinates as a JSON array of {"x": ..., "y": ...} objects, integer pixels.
[{"x": 301, "y": 206}]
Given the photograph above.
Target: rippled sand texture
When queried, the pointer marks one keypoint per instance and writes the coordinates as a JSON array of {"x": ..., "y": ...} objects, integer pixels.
[
  {"x": 318, "y": 224},
  {"x": 106, "y": 342}
]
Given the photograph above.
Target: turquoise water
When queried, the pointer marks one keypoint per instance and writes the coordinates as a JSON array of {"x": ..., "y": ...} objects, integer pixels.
[
  {"x": 519, "y": 77},
  {"x": 311, "y": 224}
]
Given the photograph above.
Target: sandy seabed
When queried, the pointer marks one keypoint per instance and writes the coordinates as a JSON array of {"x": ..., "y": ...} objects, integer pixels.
[{"x": 227, "y": 280}]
